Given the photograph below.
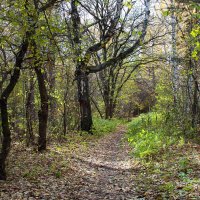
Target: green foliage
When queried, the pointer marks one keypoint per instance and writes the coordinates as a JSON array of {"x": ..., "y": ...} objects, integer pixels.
[
  {"x": 166, "y": 13},
  {"x": 58, "y": 174},
  {"x": 195, "y": 33},
  {"x": 32, "y": 173},
  {"x": 169, "y": 187},
  {"x": 104, "y": 126},
  {"x": 164, "y": 95},
  {"x": 101, "y": 127},
  {"x": 128, "y": 4},
  {"x": 183, "y": 163},
  {"x": 149, "y": 135},
  {"x": 176, "y": 121}
]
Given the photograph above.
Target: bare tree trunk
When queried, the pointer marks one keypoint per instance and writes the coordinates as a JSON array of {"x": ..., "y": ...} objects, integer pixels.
[
  {"x": 109, "y": 106},
  {"x": 65, "y": 118},
  {"x": 43, "y": 112},
  {"x": 195, "y": 106},
  {"x": 6, "y": 138},
  {"x": 84, "y": 101}
]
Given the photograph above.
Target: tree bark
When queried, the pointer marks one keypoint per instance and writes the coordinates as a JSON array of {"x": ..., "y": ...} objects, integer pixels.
[
  {"x": 84, "y": 100},
  {"x": 109, "y": 110},
  {"x": 175, "y": 73},
  {"x": 83, "y": 60},
  {"x": 4, "y": 111},
  {"x": 30, "y": 112},
  {"x": 108, "y": 88},
  {"x": 52, "y": 81},
  {"x": 195, "y": 106},
  {"x": 64, "y": 118},
  {"x": 6, "y": 138},
  {"x": 43, "y": 112}
]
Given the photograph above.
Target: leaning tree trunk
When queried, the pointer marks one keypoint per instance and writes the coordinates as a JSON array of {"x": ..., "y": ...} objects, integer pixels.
[
  {"x": 4, "y": 110},
  {"x": 43, "y": 112},
  {"x": 84, "y": 101}
]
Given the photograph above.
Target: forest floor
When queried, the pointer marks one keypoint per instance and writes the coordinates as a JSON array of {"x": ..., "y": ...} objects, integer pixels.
[{"x": 100, "y": 169}]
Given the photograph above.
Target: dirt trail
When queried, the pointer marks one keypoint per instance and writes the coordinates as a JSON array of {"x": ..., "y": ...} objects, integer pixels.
[{"x": 105, "y": 170}]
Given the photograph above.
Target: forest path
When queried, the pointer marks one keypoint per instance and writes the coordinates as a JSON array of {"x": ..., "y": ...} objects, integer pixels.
[
  {"x": 92, "y": 170},
  {"x": 102, "y": 170},
  {"x": 105, "y": 170}
]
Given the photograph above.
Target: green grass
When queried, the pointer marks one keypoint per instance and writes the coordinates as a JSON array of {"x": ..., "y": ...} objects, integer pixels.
[{"x": 104, "y": 126}]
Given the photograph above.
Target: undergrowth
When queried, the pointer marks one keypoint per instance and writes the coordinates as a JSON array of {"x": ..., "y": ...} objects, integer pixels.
[
  {"x": 100, "y": 128},
  {"x": 150, "y": 134},
  {"x": 104, "y": 126}
]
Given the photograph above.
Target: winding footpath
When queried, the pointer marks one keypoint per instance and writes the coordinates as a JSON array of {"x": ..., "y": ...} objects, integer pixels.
[{"x": 105, "y": 170}]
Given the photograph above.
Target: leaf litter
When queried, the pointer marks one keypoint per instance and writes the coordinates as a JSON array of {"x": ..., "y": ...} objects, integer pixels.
[{"x": 102, "y": 169}]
